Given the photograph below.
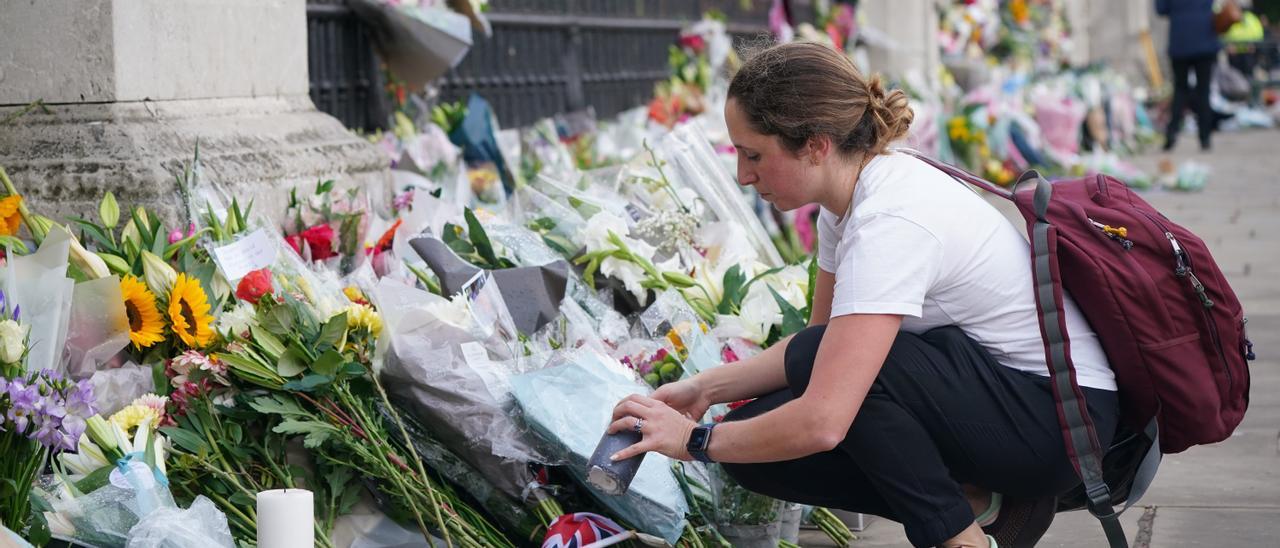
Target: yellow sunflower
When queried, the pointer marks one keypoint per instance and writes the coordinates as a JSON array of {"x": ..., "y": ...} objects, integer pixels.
[
  {"x": 189, "y": 312},
  {"x": 9, "y": 215},
  {"x": 146, "y": 326}
]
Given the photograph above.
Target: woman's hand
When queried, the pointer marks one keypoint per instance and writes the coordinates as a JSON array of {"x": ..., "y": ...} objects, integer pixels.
[
  {"x": 664, "y": 429},
  {"x": 684, "y": 396}
]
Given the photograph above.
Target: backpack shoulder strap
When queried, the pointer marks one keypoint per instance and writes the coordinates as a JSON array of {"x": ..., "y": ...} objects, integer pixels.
[
  {"x": 959, "y": 174},
  {"x": 1078, "y": 431}
]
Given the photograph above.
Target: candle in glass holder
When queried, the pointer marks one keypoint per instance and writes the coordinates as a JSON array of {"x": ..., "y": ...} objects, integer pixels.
[{"x": 286, "y": 519}]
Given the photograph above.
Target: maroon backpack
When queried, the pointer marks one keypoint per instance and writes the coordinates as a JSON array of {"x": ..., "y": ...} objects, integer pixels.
[{"x": 1170, "y": 325}]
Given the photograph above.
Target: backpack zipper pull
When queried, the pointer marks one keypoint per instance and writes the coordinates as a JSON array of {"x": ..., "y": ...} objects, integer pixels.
[
  {"x": 1248, "y": 344},
  {"x": 1181, "y": 270},
  {"x": 1119, "y": 234},
  {"x": 1200, "y": 292}
]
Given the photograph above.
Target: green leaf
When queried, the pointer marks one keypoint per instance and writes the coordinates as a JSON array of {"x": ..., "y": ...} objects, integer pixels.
[
  {"x": 240, "y": 216},
  {"x": 308, "y": 383},
  {"x": 328, "y": 363},
  {"x": 268, "y": 342},
  {"x": 316, "y": 433},
  {"x": 349, "y": 499},
  {"x": 277, "y": 405},
  {"x": 186, "y": 440},
  {"x": 109, "y": 210},
  {"x": 589, "y": 273},
  {"x": 235, "y": 433},
  {"x": 813, "y": 284},
  {"x": 93, "y": 230},
  {"x": 354, "y": 369},
  {"x": 173, "y": 248},
  {"x": 324, "y": 187},
  {"x": 792, "y": 320},
  {"x": 12, "y": 242},
  {"x": 95, "y": 480},
  {"x": 240, "y": 362},
  {"x": 332, "y": 332},
  {"x": 240, "y": 499},
  {"x": 462, "y": 247},
  {"x": 586, "y": 209},
  {"x": 292, "y": 362},
  {"x": 149, "y": 455},
  {"x": 559, "y": 244},
  {"x": 115, "y": 263},
  {"x": 543, "y": 223},
  {"x": 337, "y": 479},
  {"x": 479, "y": 238},
  {"x": 735, "y": 290}
]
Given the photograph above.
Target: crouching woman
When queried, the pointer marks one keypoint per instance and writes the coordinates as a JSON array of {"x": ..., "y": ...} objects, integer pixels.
[{"x": 919, "y": 392}]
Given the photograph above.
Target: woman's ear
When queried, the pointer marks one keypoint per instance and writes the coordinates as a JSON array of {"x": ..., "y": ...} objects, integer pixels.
[{"x": 818, "y": 148}]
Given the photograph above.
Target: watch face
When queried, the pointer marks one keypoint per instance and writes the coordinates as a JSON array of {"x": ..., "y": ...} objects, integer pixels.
[{"x": 698, "y": 439}]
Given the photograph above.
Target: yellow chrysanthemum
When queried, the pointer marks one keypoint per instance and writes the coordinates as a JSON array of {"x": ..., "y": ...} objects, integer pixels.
[
  {"x": 132, "y": 416},
  {"x": 146, "y": 326},
  {"x": 189, "y": 312},
  {"x": 363, "y": 316},
  {"x": 353, "y": 294},
  {"x": 9, "y": 216}
]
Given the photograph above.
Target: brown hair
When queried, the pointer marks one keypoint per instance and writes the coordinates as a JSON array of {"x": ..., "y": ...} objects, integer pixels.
[{"x": 801, "y": 90}]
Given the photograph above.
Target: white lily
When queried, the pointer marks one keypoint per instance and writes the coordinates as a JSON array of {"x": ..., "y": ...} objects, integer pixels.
[
  {"x": 726, "y": 244},
  {"x": 59, "y": 525},
  {"x": 88, "y": 458},
  {"x": 760, "y": 308},
  {"x": 157, "y": 273},
  {"x": 629, "y": 273},
  {"x": 595, "y": 235},
  {"x": 451, "y": 311},
  {"x": 728, "y": 327}
]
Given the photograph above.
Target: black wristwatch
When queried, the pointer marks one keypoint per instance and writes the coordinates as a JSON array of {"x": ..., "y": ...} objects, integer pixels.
[{"x": 699, "y": 441}]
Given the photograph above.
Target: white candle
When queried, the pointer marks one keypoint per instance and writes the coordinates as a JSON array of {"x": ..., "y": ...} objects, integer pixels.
[{"x": 286, "y": 519}]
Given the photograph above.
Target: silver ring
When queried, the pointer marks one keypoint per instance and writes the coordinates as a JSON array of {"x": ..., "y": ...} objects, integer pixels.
[{"x": 638, "y": 426}]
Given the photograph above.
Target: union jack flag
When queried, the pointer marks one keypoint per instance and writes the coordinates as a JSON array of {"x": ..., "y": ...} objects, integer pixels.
[{"x": 579, "y": 530}]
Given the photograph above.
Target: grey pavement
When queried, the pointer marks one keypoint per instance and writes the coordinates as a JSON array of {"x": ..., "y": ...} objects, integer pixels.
[{"x": 1227, "y": 494}]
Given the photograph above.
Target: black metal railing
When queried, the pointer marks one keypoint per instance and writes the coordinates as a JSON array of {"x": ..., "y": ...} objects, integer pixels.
[
  {"x": 545, "y": 56},
  {"x": 346, "y": 77}
]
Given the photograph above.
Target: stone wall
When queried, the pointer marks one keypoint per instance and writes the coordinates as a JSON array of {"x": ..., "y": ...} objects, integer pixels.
[{"x": 132, "y": 85}]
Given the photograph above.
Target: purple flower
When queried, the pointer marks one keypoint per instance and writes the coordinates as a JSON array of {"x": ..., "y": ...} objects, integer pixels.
[
  {"x": 22, "y": 403},
  {"x": 80, "y": 400},
  {"x": 49, "y": 433},
  {"x": 51, "y": 406}
]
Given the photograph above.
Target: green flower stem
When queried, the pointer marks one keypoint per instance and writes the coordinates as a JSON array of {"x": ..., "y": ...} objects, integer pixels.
[
  {"x": 226, "y": 505},
  {"x": 666, "y": 183},
  {"x": 345, "y": 394},
  {"x": 37, "y": 229},
  {"x": 404, "y": 433}
]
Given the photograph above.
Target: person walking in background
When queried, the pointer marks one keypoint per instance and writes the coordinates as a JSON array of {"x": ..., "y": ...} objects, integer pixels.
[
  {"x": 1242, "y": 41},
  {"x": 1193, "y": 46}
]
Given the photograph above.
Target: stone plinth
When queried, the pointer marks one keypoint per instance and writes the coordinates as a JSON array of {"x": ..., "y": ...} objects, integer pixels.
[
  {"x": 132, "y": 85},
  {"x": 259, "y": 147},
  {"x": 904, "y": 37}
]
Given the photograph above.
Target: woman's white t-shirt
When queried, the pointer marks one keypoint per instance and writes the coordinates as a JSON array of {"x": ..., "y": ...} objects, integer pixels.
[{"x": 917, "y": 243}]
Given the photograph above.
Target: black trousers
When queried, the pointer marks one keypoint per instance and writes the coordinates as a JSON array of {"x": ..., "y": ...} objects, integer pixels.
[
  {"x": 1198, "y": 99},
  {"x": 941, "y": 412}
]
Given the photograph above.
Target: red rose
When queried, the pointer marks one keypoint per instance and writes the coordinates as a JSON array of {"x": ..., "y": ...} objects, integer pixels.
[
  {"x": 254, "y": 286},
  {"x": 294, "y": 241},
  {"x": 320, "y": 239},
  {"x": 693, "y": 42}
]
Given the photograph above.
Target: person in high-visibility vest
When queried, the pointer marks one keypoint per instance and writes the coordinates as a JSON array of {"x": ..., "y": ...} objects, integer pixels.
[{"x": 1242, "y": 41}]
